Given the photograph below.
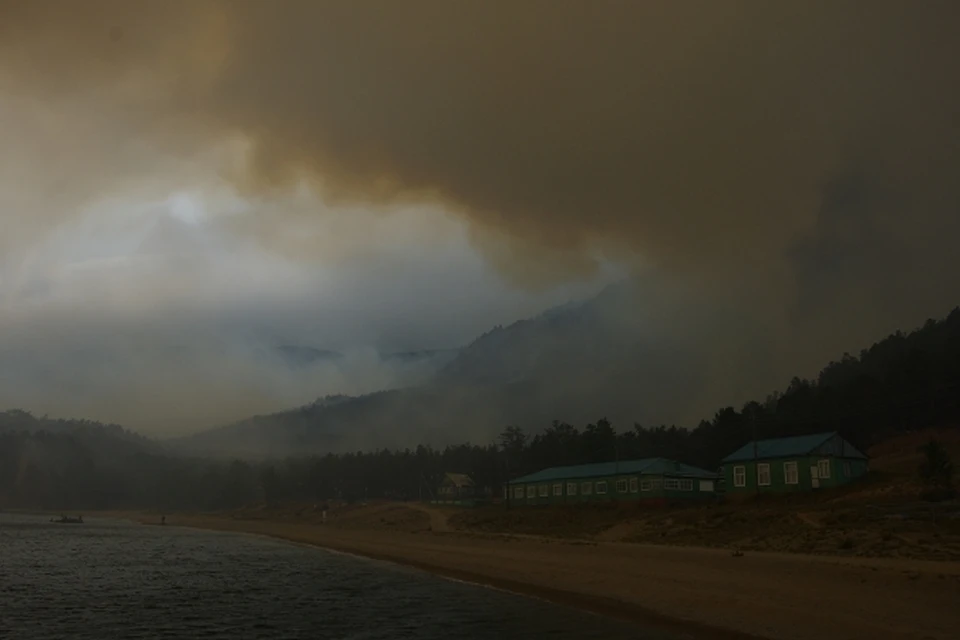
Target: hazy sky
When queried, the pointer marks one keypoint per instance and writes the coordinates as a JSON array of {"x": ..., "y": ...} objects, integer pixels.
[
  {"x": 403, "y": 175},
  {"x": 158, "y": 316}
]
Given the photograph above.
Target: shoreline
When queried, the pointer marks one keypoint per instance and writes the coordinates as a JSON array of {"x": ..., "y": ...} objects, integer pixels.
[
  {"x": 690, "y": 592},
  {"x": 605, "y": 607}
]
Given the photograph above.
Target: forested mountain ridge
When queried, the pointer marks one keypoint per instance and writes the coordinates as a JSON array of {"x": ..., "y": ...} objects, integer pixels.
[
  {"x": 18, "y": 420},
  {"x": 579, "y": 360},
  {"x": 902, "y": 383}
]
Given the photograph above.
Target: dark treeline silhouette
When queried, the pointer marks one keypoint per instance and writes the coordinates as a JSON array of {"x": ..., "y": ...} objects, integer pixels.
[{"x": 902, "y": 383}]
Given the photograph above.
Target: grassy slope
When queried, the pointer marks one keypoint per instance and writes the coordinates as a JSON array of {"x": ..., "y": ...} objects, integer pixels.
[{"x": 880, "y": 516}]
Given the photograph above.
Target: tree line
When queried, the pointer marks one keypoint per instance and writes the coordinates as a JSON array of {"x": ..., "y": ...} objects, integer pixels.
[{"x": 902, "y": 383}]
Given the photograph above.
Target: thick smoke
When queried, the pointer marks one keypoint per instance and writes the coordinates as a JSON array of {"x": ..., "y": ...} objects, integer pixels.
[
  {"x": 697, "y": 133},
  {"x": 798, "y": 161}
]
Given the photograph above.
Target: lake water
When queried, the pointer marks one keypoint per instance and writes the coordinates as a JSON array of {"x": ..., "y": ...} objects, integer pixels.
[{"x": 113, "y": 579}]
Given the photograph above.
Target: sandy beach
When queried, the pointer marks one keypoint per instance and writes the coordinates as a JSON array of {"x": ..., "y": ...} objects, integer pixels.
[{"x": 696, "y": 592}]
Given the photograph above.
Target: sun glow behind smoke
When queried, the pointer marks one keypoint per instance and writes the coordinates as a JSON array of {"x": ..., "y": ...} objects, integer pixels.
[{"x": 165, "y": 315}]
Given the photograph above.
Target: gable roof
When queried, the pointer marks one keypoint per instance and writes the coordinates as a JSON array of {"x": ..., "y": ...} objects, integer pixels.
[
  {"x": 459, "y": 479},
  {"x": 792, "y": 446},
  {"x": 648, "y": 466}
]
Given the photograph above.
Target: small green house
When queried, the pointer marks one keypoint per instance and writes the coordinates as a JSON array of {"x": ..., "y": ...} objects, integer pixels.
[
  {"x": 651, "y": 480},
  {"x": 455, "y": 486},
  {"x": 800, "y": 463}
]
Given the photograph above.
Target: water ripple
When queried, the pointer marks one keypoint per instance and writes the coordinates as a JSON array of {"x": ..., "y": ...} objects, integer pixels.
[{"x": 112, "y": 579}]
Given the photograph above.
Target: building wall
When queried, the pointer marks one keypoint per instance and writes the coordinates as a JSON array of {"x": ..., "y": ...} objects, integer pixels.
[
  {"x": 447, "y": 490},
  {"x": 636, "y": 488},
  {"x": 842, "y": 471}
]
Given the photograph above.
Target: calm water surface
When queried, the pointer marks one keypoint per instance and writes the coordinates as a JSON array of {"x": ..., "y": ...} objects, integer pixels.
[{"x": 112, "y": 579}]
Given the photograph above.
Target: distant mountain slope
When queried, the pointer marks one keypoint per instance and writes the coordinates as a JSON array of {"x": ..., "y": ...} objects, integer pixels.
[
  {"x": 299, "y": 356},
  {"x": 576, "y": 362},
  {"x": 18, "y": 421},
  {"x": 302, "y": 356}
]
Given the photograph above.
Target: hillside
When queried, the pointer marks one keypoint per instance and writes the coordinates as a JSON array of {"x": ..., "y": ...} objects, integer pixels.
[
  {"x": 880, "y": 516},
  {"x": 574, "y": 362},
  {"x": 897, "y": 388},
  {"x": 81, "y": 465},
  {"x": 605, "y": 357},
  {"x": 53, "y": 463}
]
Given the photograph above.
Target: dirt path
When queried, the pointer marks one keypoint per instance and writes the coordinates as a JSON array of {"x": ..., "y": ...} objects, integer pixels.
[
  {"x": 701, "y": 591},
  {"x": 810, "y": 519},
  {"x": 617, "y": 533},
  {"x": 439, "y": 520}
]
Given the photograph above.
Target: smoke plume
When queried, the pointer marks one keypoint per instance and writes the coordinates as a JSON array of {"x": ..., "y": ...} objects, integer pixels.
[
  {"x": 699, "y": 134},
  {"x": 798, "y": 161}
]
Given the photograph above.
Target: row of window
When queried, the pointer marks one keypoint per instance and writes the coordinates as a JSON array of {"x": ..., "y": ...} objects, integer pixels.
[
  {"x": 600, "y": 487},
  {"x": 790, "y": 473}
]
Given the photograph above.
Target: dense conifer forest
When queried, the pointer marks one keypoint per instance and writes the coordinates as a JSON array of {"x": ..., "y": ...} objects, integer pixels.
[{"x": 902, "y": 383}]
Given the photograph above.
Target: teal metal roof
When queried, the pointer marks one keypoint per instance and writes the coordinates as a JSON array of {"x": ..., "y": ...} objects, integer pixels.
[
  {"x": 788, "y": 447},
  {"x": 648, "y": 466}
]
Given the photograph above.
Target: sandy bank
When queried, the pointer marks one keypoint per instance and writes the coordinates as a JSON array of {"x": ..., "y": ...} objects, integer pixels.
[{"x": 704, "y": 593}]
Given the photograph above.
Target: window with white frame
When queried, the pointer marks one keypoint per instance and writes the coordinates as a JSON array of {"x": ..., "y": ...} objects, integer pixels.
[
  {"x": 686, "y": 485},
  {"x": 602, "y": 487},
  {"x": 656, "y": 484},
  {"x": 645, "y": 484},
  {"x": 586, "y": 488},
  {"x": 518, "y": 492},
  {"x": 543, "y": 490},
  {"x": 671, "y": 484},
  {"x": 633, "y": 485},
  {"x": 571, "y": 488},
  {"x": 558, "y": 489},
  {"x": 622, "y": 485},
  {"x": 763, "y": 474},
  {"x": 531, "y": 491},
  {"x": 740, "y": 476},
  {"x": 823, "y": 468},
  {"x": 790, "y": 475}
]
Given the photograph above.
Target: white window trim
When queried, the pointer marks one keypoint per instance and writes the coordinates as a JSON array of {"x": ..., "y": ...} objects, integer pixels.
[
  {"x": 740, "y": 476},
  {"x": 656, "y": 484},
  {"x": 823, "y": 463},
  {"x": 671, "y": 484},
  {"x": 763, "y": 468},
  {"x": 686, "y": 484},
  {"x": 621, "y": 485},
  {"x": 543, "y": 491},
  {"x": 558, "y": 488},
  {"x": 571, "y": 488},
  {"x": 787, "y": 475},
  {"x": 645, "y": 484},
  {"x": 633, "y": 485},
  {"x": 601, "y": 487}
]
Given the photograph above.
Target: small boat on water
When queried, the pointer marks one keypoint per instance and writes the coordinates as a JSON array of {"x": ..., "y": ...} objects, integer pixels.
[{"x": 66, "y": 520}]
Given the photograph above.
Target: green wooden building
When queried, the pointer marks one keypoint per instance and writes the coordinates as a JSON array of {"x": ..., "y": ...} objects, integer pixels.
[
  {"x": 652, "y": 480},
  {"x": 800, "y": 463}
]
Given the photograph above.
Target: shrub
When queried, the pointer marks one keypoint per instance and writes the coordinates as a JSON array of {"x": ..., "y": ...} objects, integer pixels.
[{"x": 936, "y": 472}]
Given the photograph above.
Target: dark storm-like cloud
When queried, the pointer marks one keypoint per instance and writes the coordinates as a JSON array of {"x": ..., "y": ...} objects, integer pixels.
[{"x": 698, "y": 134}]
